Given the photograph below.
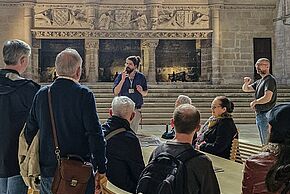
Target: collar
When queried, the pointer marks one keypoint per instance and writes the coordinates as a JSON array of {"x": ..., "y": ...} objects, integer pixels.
[
  {"x": 69, "y": 78},
  {"x": 11, "y": 71}
]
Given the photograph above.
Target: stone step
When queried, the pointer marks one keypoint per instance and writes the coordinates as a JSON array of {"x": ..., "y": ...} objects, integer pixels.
[
  {"x": 169, "y": 115},
  {"x": 194, "y": 99},
  {"x": 163, "y": 121},
  {"x": 170, "y": 110}
]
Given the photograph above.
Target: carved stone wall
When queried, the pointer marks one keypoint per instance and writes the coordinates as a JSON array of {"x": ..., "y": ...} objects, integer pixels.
[{"x": 227, "y": 26}]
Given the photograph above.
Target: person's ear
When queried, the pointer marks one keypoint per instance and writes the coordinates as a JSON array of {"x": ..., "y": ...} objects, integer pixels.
[
  {"x": 111, "y": 111},
  {"x": 78, "y": 73},
  {"x": 132, "y": 116},
  {"x": 197, "y": 128},
  {"x": 172, "y": 122}
]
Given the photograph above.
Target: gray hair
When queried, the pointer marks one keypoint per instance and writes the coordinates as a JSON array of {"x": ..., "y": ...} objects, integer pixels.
[
  {"x": 67, "y": 62},
  {"x": 182, "y": 99},
  {"x": 122, "y": 106},
  {"x": 261, "y": 60},
  {"x": 13, "y": 50}
]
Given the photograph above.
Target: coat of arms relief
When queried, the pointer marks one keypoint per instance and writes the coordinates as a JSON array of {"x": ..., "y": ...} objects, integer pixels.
[{"x": 61, "y": 17}]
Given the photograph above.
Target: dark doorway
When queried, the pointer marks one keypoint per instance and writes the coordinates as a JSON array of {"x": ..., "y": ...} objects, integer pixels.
[
  {"x": 49, "y": 50},
  {"x": 262, "y": 49},
  {"x": 177, "y": 60},
  {"x": 113, "y": 54}
]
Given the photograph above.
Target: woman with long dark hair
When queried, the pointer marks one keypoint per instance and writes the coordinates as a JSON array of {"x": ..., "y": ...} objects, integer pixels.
[{"x": 264, "y": 172}]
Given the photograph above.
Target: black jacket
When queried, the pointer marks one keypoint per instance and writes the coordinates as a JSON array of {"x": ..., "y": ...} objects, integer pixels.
[
  {"x": 200, "y": 174},
  {"x": 219, "y": 138},
  {"x": 77, "y": 125},
  {"x": 16, "y": 95},
  {"x": 125, "y": 160}
]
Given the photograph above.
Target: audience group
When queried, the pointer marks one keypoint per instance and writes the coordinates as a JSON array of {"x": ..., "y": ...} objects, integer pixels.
[{"x": 113, "y": 148}]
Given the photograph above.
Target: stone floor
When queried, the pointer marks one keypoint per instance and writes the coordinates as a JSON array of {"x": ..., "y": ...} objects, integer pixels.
[{"x": 248, "y": 132}]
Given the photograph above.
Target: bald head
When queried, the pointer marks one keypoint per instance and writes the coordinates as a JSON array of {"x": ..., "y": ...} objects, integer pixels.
[
  {"x": 186, "y": 118},
  {"x": 68, "y": 62}
]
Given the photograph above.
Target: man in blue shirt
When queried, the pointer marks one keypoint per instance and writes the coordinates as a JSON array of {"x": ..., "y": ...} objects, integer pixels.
[
  {"x": 77, "y": 124},
  {"x": 133, "y": 84},
  {"x": 16, "y": 96}
]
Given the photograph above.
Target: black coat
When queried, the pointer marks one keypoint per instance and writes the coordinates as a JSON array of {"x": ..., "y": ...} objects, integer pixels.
[
  {"x": 125, "y": 160},
  {"x": 219, "y": 138}
]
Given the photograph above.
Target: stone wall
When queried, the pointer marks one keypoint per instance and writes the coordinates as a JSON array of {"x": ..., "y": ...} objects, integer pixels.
[
  {"x": 239, "y": 25},
  {"x": 11, "y": 25},
  {"x": 281, "y": 68}
]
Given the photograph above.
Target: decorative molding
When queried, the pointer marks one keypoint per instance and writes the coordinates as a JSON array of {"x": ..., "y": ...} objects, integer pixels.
[
  {"x": 82, "y": 34},
  {"x": 250, "y": 6},
  {"x": 36, "y": 43},
  {"x": 92, "y": 43},
  {"x": 153, "y": 43}
]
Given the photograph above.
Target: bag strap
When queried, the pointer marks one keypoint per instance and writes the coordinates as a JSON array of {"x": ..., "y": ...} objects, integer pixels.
[
  {"x": 188, "y": 154},
  {"x": 53, "y": 128},
  {"x": 113, "y": 133}
]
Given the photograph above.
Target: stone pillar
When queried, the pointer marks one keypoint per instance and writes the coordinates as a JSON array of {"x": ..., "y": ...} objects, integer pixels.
[
  {"x": 216, "y": 42},
  {"x": 92, "y": 60},
  {"x": 149, "y": 47},
  {"x": 152, "y": 7},
  {"x": 206, "y": 60},
  {"x": 28, "y": 8},
  {"x": 36, "y": 45}
]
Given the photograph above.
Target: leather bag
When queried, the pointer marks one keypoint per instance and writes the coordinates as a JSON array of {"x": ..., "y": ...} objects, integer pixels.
[{"x": 72, "y": 173}]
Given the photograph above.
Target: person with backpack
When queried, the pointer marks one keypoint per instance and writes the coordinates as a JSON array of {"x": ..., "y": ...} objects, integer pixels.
[
  {"x": 175, "y": 166},
  {"x": 125, "y": 160}
]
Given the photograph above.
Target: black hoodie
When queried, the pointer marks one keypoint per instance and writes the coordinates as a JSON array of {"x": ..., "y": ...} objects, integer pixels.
[
  {"x": 16, "y": 96},
  {"x": 125, "y": 160}
]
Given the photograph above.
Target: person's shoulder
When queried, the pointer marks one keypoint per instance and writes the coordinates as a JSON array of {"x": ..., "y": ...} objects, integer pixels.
[
  {"x": 32, "y": 84},
  {"x": 261, "y": 159}
]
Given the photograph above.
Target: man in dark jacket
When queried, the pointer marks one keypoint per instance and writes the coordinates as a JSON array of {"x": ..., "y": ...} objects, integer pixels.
[
  {"x": 200, "y": 174},
  {"x": 16, "y": 95},
  {"x": 125, "y": 160},
  {"x": 77, "y": 123}
]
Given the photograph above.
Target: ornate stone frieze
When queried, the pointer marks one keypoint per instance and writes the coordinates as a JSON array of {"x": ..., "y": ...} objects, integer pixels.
[
  {"x": 150, "y": 43},
  {"x": 206, "y": 34},
  {"x": 61, "y": 16},
  {"x": 183, "y": 18},
  {"x": 123, "y": 19}
]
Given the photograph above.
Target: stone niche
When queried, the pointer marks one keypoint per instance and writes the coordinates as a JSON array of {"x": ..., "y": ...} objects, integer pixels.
[
  {"x": 48, "y": 52},
  {"x": 177, "y": 57},
  {"x": 113, "y": 54}
]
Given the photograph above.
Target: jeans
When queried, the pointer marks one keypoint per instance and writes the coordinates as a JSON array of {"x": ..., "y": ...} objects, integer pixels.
[
  {"x": 46, "y": 182},
  {"x": 13, "y": 185},
  {"x": 262, "y": 124}
]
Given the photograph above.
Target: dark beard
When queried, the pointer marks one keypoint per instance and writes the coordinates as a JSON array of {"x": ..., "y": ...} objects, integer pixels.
[{"x": 128, "y": 70}]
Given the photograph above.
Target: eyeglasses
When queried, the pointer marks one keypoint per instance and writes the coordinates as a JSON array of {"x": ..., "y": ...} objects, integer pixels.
[{"x": 214, "y": 107}]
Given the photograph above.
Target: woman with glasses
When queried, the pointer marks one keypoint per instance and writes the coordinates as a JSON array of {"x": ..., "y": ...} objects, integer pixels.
[{"x": 217, "y": 134}]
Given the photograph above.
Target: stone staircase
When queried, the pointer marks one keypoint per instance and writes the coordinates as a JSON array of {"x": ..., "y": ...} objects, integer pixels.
[{"x": 159, "y": 104}]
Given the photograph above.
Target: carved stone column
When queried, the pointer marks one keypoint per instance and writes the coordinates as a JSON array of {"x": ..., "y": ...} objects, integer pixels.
[
  {"x": 149, "y": 47},
  {"x": 92, "y": 60},
  {"x": 36, "y": 45},
  {"x": 216, "y": 42},
  {"x": 28, "y": 8}
]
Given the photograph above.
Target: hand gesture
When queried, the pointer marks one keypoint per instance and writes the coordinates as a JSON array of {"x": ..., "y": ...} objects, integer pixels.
[
  {"x": 247, "y": 80},
  {"x": 98, "y": 179},
  {"x": 124, "y": 75},
  {"x": 253, "y": 104},
  {"x": 139, "y": 89}
]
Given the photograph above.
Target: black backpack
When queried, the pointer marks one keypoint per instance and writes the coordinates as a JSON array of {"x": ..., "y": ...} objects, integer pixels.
[{"x": 166, "y": 174}]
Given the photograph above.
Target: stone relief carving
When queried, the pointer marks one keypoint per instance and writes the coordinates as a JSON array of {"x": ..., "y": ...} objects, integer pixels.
[
  {"x": 62, "y": 17},
  {"x": 123, "y": 19},
  {"x": 125, "y": 35},
  {"x": 183, "y": 19}
]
